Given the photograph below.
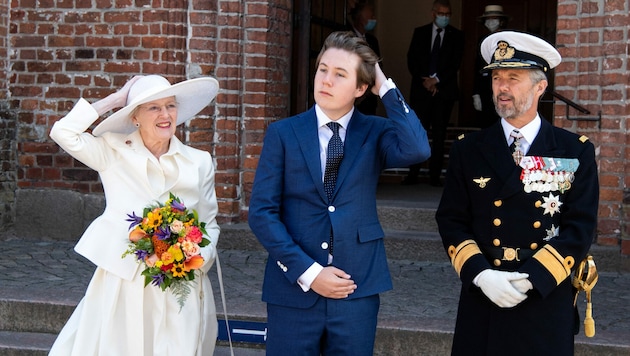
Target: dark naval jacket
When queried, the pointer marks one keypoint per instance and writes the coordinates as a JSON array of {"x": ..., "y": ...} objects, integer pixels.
[{"x": 540, "y": 220}]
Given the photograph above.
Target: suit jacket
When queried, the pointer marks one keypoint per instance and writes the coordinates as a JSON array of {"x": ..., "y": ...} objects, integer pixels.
[
  {"x": 290, "y": 214},
  {"x": 480, "y": 220},
  {"x": 132, "y": 179},
  {"x": 419, "y": 56}
]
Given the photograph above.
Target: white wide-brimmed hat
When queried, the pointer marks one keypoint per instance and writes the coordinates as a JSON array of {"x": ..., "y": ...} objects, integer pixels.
[
  {"x": 493, "y": 11},
  {"x": 191, "y": 95},
  {"x": 518, "y": 50}
]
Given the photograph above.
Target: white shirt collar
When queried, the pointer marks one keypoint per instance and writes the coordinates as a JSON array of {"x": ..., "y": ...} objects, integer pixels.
[
  {"x": 528, "y": 131},
  {"x": 323, "y": 119}
]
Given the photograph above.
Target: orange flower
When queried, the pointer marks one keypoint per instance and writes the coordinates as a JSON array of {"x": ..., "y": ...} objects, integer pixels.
[
  {"x": 159, "y": 246},
  {"x": 137, "y": 234},
  {"x": 195, "y": 262}
]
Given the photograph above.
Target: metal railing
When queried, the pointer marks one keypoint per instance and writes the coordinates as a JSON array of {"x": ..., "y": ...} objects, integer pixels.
[{"x": 571, "y": 104}]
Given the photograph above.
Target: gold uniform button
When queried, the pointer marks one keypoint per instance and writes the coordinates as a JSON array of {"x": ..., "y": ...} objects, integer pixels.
[
  {"x": 497, "y": 262},
  {"x": 497, "y": 222},
  {"x": 496, "y": 242},
  {"x": 533, "y": 246},
  {"x": 538, "y": 203},
  {"x": 498, "y": 203},
  {"x": 536, "y": 224}
]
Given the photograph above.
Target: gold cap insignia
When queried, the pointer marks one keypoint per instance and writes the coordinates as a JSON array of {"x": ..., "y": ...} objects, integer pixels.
[{"x": 503, "y": 51}]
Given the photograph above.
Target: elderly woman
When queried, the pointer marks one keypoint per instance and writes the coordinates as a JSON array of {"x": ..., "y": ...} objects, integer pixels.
[{"x": 140, "y": 161}]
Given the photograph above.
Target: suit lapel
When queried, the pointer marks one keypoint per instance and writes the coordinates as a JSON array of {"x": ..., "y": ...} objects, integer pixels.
[
  {"x": 545, "y": 143},
  {"x": 495, "y": 150},
  {"x": 356, "y": 134},
  {"x": 306, "y": 133}
]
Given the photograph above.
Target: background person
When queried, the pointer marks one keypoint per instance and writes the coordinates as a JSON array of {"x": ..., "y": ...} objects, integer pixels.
[
  {"x": 140, "y": 160},
  {"x": 362, "y": 23},
  {"x": 515, "y": 221},
  {"x": 327, "y": 263},
  {"x": 433, "y": 59},
  {"x": 494, "y": 20}
]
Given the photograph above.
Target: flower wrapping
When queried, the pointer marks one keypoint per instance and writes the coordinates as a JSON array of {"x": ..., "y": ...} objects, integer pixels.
[{"x": 167, "y": 239}]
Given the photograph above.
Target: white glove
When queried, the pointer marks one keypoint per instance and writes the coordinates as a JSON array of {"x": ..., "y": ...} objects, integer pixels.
[
  {"x": 497, "y": 286},
  {"x": 522, "y": 285},
  {"x": 477, "y": 102}
]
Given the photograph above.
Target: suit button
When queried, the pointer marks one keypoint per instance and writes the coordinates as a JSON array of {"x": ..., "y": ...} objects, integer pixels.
[
  {"x": 496, "y": 242},
  {"x": 324, "y": 245},
  {"x": 331, "y": 209},
  {"x": 497, "y": 222},
  {"x": 533, "y": 246},
  {"x": 498, "y": 203}
]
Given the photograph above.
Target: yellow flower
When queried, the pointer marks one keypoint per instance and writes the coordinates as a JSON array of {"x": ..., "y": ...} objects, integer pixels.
[
  {"x": 178, "y": 270},
  {"x": 176, "y": 252},
  {"x": 153, "y": 219}
]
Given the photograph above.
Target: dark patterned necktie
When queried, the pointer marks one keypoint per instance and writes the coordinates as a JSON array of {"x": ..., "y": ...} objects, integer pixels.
[
  {"x": 515, "y": 147},
  {"x": 334, "y": 154},
  {"x": 435, "y": 51}
]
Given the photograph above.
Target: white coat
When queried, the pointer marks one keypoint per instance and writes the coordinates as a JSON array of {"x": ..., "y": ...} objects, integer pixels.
[{"x": 117, "y": 310}]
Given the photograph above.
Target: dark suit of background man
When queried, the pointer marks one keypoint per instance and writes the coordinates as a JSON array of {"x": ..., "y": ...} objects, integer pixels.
[
  {"x": 434, "y": 87},
  {"x": 327, "y": 262},
  {"x": 362, "y": 22},
  {"x": 516, "y": 221}
]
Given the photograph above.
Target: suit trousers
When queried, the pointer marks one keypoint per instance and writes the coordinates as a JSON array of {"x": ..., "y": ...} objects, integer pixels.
[{"x": 329, "y": 327}]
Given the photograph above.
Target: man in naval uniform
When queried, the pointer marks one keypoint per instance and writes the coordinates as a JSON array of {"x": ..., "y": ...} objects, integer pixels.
[{"x": 518, "y": 212}]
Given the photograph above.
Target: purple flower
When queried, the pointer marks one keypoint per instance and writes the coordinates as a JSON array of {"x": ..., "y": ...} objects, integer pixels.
[
  {"x": 135, "y": 220},
  {"x": 178, "y": 206},
  {"x": 158, "y": 279},
  {"x": 141, "y": 254},
  {"x": 163, "y": 233}
]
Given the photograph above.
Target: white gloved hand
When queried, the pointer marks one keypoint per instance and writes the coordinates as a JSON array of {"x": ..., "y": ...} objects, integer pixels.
[
  {"x": 497, "y": 286},
  {"x": 477, "y": 102},
  {"x": 522, "y": 285}
]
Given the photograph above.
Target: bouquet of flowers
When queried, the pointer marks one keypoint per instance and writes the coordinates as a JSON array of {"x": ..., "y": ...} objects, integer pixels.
[{"x": 167, "y": 239}]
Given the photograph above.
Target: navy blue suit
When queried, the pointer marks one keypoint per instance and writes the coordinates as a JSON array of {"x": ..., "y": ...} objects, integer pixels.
[{"x": 290, "y": 213}]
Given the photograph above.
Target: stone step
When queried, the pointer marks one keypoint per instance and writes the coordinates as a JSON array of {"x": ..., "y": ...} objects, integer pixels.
[
  {"x": 38, "y": 344},
  {"x": 416, "y": 318}
]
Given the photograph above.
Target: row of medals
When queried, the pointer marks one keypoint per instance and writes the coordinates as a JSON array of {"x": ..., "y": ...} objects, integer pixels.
[{"x": 546, "y": 181}]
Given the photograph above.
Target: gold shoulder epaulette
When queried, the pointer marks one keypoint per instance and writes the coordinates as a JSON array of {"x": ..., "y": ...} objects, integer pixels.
[
  {"x": 583, "y": 139},
  {"x": 460, "y": 137}
]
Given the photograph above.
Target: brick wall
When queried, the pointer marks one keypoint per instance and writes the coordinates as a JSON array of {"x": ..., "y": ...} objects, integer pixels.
[
  {"x": 592, "y": 37},
  {"x": 8, "y": 177},
  {"x": 56, "y": 51},
  {"x": 63, "y": 50}
]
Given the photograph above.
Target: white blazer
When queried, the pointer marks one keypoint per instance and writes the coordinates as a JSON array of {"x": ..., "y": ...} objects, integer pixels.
[{"x": 132, "y": 179}]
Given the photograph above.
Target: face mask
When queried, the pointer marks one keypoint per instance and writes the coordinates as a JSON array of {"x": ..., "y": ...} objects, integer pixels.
[
  {"x": 492, "y": 24},
  {"x": 369, "y": 26},
  {"x": 442, "y": 21}
]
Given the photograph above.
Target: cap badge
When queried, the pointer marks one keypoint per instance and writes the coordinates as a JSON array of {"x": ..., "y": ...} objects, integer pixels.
[{"x": 503, "y": 51}]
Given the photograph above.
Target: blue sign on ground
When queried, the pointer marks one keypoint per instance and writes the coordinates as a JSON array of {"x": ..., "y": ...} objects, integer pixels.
[{"x": 243, "y": 331}]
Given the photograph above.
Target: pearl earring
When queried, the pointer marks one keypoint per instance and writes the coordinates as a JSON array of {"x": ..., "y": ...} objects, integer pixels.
[{"x": 137, "y": 124}]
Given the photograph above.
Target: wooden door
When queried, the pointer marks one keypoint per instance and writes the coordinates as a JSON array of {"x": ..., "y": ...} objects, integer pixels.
[{"x": 314, "y": 20}]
